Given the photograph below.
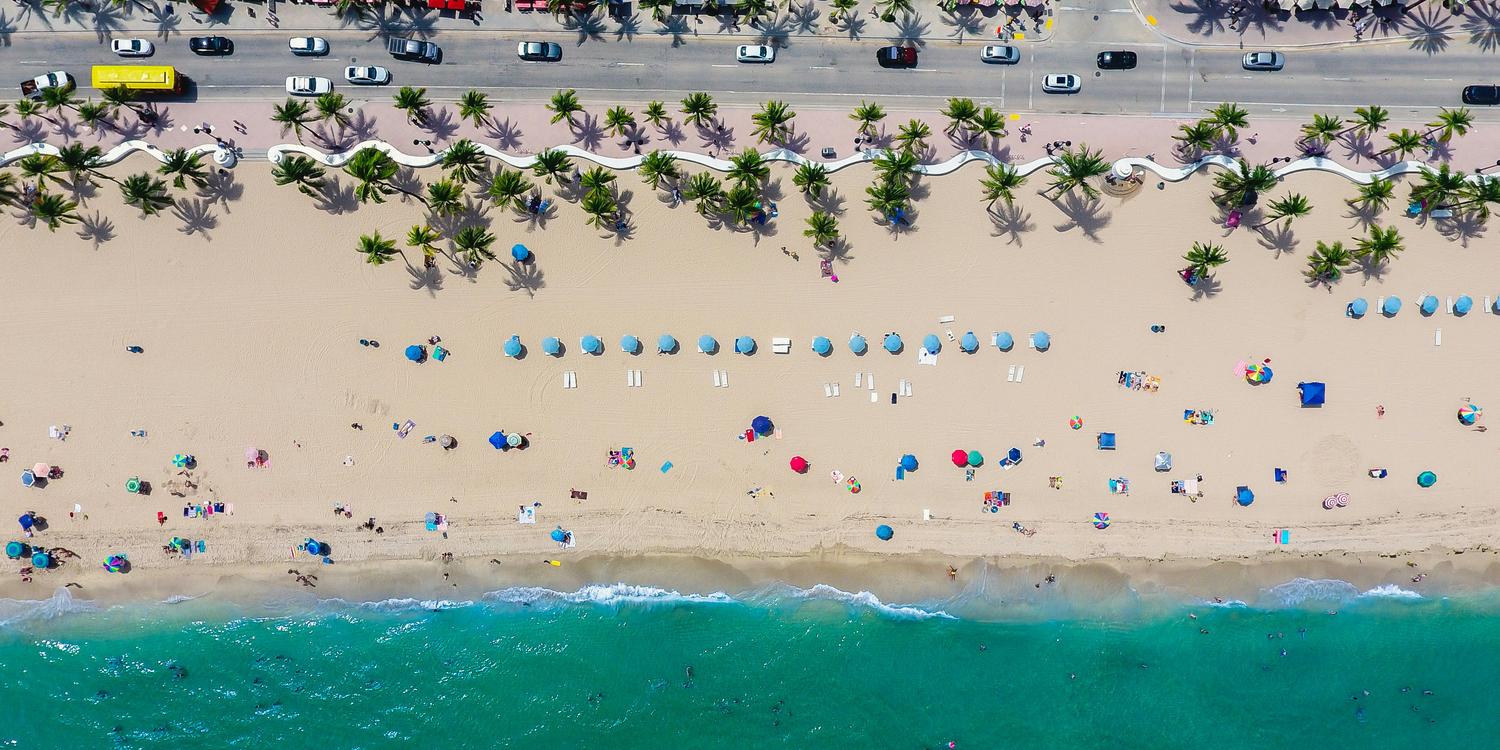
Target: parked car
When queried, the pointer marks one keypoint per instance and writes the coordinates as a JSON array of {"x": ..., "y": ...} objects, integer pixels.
[
  {"x": 413, "y": 50},
  {"x": 896, "y": 56},
  {"x": 755, "y": 53},
  {"x": 211, "y": 45},
  {"x": 132, "y": 47},
  {"x": 1482, "y": 94},
  {"x": 539, "y": 51},
  {"x": 1116, "y": 60},
  {"x": 1000, "y": 54},
  {"x": 367, "y": 75},
  {"x": 308, "y": 46},
  {"x": 1061, "y": 83},
  {"x": 308, "y": 85},
  {"x": 57, "y": 79},
  {"x": 1263, "y": 61}
]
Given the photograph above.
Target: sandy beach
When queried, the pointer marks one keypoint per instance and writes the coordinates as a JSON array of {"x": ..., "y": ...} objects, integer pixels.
[{"x": 250, "y": 324}]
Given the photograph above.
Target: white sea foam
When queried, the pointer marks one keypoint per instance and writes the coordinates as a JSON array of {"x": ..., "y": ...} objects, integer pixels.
[
  {"x": 604, "y": 594},
  {"x": 1390, "y": 591},
  {"x": 406, "y": 604},
  {"x": 180, "y": 598},
  {"x": 1299, "y": 591},
  {"x": 865, "y": 599},
  {"x": 17, "y": 611}
]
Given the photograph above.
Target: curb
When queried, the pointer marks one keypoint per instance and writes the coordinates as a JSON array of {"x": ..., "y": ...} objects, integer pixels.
[{"x": 1140, "y": 16}]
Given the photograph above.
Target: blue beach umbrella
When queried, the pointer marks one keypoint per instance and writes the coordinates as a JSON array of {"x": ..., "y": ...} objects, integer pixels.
[
  {"x": 1426, "y": 479},
  {"x": 14, "y": 550},
  {"x": 1429, "y": 305},
  {"x": 558, "y": 535},
  {"x": 932, "y": 343},
  {"x": 969, "y": 342},
  {"x": 893, "y": 343},
  {"x": 1243, "y": 495},
  {"x": 857, "y": 344},
  {"x": 707, "y": 344},
  {"x": 591, "y": 344},
  {"x": 1004, "y": 341},
  {"x": 519, "y": 252},
  {"x": 1463, "y": 305},
  {"x": 1041, "y": 340},
  {"x": 41, "y": 560},
  {"x": 1358, "y": 308},
  {"x": 513, "y": 346},
  {"x": 822, "y": 346},
  {"x": 28, "y": 479},
  {"x": 1391, "y": 307},
  {"x": 416, "y": 352},
  {"x": 909, "y": 462},
  {"x": 1014, "y": 455},
  {"x": 630, "y": 344},
  {"x": 666, "y": 344},
  {"x": 884, "y": 533},
  {"x": 744, "y": 345},
  {"x": 551, "y": 345},
  {"x": 762, "y": 425},
  {"x": 25, "y": 522}
]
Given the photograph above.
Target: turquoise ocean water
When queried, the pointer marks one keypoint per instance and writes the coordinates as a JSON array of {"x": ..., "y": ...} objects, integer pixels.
[{"x": 608, "y": 667}]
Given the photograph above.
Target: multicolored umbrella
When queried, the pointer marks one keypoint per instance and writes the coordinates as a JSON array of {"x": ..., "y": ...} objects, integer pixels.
[
  {"x": 181, "y": 460},
  {"x": 1258, "y": 374},
  {"x": 116, "y": 563},
  {"x": 1469, "y": 414},
  {"x": 1076, "y": 422},
  {"x": 1101, "y": 520}
]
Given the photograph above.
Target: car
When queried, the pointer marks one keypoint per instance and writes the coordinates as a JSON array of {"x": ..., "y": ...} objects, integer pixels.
[
  {"x": 132, "y": 47},
  {"x": 211, "y": 45},
  {"x": 1481, "y": 94},
  {"x": 367, "y": 75},
  {"x": 308, "y": 85},
  {"x": 1000, "y": 54},
  {"x": 414, "y": 50},
  {"x": 1061, "y": 83},
  {"x": 539, "y": 51},
  {"x": 1116, "y": 60},
  {"x": 1263, "y": 61},
  {"x": 896, "y": 56},
  {"x": 308, "y": 46},
  {"x": 755, "y": 53}
]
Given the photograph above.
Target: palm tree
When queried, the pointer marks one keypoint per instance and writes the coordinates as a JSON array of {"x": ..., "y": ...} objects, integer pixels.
[
  {"x": 597, "y": 179},
  {"x": 1479, "y": 195},
  {"x": 618, "y": 120},
  {"x": 81, "y": 160},
  {"x": 508, "y": 186},
  {"x": 118, "y": 97},
  {"x": 551, "y": 163},
  {"x": 372, "y": 170},
  {"x": 1379, "y": 247},
  {"x": 1000, "y": 183},
  {"x": 146, "y": 193},
  {"x": 54, "y": 210},
  {"x": 1072, "y": 169},
  {"x": 331, "y": 106},
  {"x": 657, "y": 166},
  {"x": 656, "y": 113},
  {"x": 660, "y": 9},
  {"x": 740, "y": 202},
  {"x": 896, "y": 166},
  {"x": 10, "y": 194},
  {"x": 822, "y": 228},
  {"x": 299, "y": 170},
  {"x": 377, "y": 250},
  {"x": 1229, "y": 117},
  {"x": 473, "y": 242},
  {"x": 988, "y": 123},
  {"x": 445, "y": 197},
  {"x": 892, "y": 7},
  {"x": 960, "y": 113},
  {"x": 1288, "y": 207},
  {"x": 887, "y": 198},
  {"x": 771, "y": 122},
  {"x": 699, "y": 106},
  {"x": 1404, "y": 142},
  {"x": 600, "y": 207},
  {"x": 748, "y": 168},
  {"x": 1368, "y": 120},
  {"x": 414, "y": 102},
  {"x": 913, "y": 136},
  {"x": 843, "y": 9},
  {"x": 32, "y": 108},
  {"x": 464, "y": 161},
  {"x": 1451, "y": 122},
  {"x": 1375, "y": 194},
  {"x": 42, "y": 168},
  {"x": 1204, "y": 257},
  {"x": 753, "y": 10},
  {"x": 60, "y": 97},
  {"x": 184, "y": 166},
  {"x": 474, "y": 106},
  {"x": 564, "y": 105},
  {"x": 1438, "y": 189},
  {"x": 1322, "y": 129},
  {"x": 424, "y": 238},
  {"x": 1236, "y": 186},
  {"x": 292, "y": 115},
  {"x": 706, "y": 190},
  {"x": 811, "y": 178},
  {"x": 867, "y": 114},
  {"x": 1196, "y": 137},
  {"x": 94, "y": 115},
  {"x": 1328, "y": 263}
]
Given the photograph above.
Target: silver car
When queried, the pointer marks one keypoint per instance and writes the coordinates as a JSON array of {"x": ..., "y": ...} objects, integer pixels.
[
  {"x": 1263, "y": 61},
  {"x": 1000, "y": 54},
  {"x": 367, "y": 75},
  {"x": 755, "y": 53},
  {"x": 132, "y": 47},
  {"x": 1062, "y": 83},
  {"x": 308, "y": 85},
  {"x": 308, "y": 46}
]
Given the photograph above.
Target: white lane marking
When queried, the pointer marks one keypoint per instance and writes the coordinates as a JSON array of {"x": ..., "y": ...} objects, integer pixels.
[
  {"x": 629, "y": 65},
  {"x": 33, "y": 62},
  {"x": 1326, "y": 78},
  {"x": 1163, "y": 83},
  {"x": 1192, "y": 73},
  {"x": 821, "y": 67},
  {"x": 1437, "y": 79},
  {"x": 1320, "y": 104},
  {"x": 723, "y": 65},
  {"x": 1121, "y": 10}
]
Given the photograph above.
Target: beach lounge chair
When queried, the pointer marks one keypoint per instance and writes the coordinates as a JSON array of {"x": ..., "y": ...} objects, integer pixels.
[
  {"x": 1441, "y": 213},
  {"x": 723, "y": 378},
  {"x": 827, "y": 390},
  {"x": 1450, "y": 305},
  {"x": 1437, "y": 338},
  {"x": 1011, "y": 376},
  {"x": 859, "y": 379},
  {"x": 946, "y": 319},
  {"x": 781, "y": 346},
  {"x": 1020, "y": 373},
  {"x": 835, "y": 395}
]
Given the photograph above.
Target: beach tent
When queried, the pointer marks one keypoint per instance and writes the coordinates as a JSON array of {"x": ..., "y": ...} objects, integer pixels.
[
  {"x": 909, "y": 462},
  {"x": 1312, "y": 393},
  {"x": 960, "y": 457},
  {"x": 26, "y": 522},
  {"x": 591, "y": 344},
  {"x": 884, "y": 533},
  {"x": 1357, "y": 308},
  {"x": 520, "y": 253},
  {"x": 969, "y": 342},
  {"x": 513, "y": 346},
  {"x": 931, "y": 343},
  {"x": 707, "y": 344},
  {"x": 744, "y": 345},
  {"x": 497, "y": 440},
  {"x": 1464, "y": 304},
  {"x": 1106, "y": 441},
  {"x": 630, "y": 344},
  {"x": 1012, "y": 457},
  {"x": 666, "y": 344},
  {"x": 118, "y": 563},
  {"x": 762, "y": 425},
  {"x": 799, "y": 464},
  {"x": 1426, "y": 479},
  {"x": 1468, "y": 414},
  {"x": 893, "y": 343},
  {"x": 1429, "y": 305},
  {"x": 551, "y": 345},
  {"x": 974, "y": 458},
  {"x": 1004, "y": 341},
  {"x": 857, "y": 344},
  {"x": 1243, "y": 495},
  {"x": 1391, "y": 307},
  {"x": 1041, "y": 340},
  {"x": 1163, "y": 461},
  {"x": 416, "y": 352},
  {"x": 822, "y": 346}
]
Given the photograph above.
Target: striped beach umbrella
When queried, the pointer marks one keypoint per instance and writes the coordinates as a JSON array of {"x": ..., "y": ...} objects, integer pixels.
[{"x": 1101, "y": 520}]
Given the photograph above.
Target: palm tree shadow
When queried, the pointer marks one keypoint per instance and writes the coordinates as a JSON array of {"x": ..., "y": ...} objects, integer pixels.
[
  {"x": 106, "y": 22},
  {"x": 337, "y": 198},
  {"x": 196, "y": 215},
  {"x": 776, "y": 31},
  {"x": 628, "y": 28},
  {"x": 804, "y": 17},
  {"x": 537, "y": 220},
  {"x": 1483, "y": 27},
  {"x": 588, "y": 132},
  {"x": 1462, "y": 228},
  {"x": 220, "y": 187},
  {"x": 672, "y": 131},
  {"x": 441, "y": 124},
  {"x": 1208, "y": 286},
  {"x": 29, "y": 130},
  {"x": 911, "y": 29},
  {"x": 1278, "y": 237},
  {"x": 524, "y": 277},
  {"x": 166, "y": 22},
  {"x": 507, "y": 134},
  {"x": 97, "y": 229},
  {"x": 718, "y": 136},
  {"x": 797, "y": 142},
  {"x": 332, "y": 138},
  {"x": 1011, "y": 221},
  {"x": 590, "y": 26},
  {"x": 1363, "y": 214},
  {"x": 1440, "y": 150},
  {"x": 425, "y": 277},
  {"x": 407, "y": 181},
  {"x": 1431, "y": 25},
  {"x": 854, "y": 25},
  {"x": 962, "y": 22},
  {"x": 1087, "y": 215},
  {"x": 829, "y": 201},
  {"x": 1209, "y": 16},
  {"x": 82, "y": 191},
  {"x": 1370, "y": 270},
  {"x": 675, "y": 27}
]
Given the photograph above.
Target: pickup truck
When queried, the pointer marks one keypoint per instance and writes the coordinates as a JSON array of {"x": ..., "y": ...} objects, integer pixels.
[
  {"x": 33, "y": 88},
  {"x": 414, "y": 50}
]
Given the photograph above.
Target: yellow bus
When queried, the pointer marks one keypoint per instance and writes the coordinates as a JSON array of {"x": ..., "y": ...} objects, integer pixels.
[{"x": 140, "y": 78}]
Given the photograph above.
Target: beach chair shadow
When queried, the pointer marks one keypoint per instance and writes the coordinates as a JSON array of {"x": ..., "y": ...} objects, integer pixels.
[
  {"x": 1087, "y": 215},
  {"x": 97, "y": 229},
  {"x": 1010, "y": 221}
]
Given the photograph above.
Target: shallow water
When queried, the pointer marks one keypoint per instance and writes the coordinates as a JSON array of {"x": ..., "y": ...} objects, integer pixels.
[{"x": 608, "y": 666}]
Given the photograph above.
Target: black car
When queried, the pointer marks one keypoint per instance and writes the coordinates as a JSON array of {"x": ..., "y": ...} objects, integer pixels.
[
  {"x": 210, "y": 45},
  {"x": 1482, "y": 95},
  {"x": 1121, "y": 60},
  {"x": 896, "y": 56}
]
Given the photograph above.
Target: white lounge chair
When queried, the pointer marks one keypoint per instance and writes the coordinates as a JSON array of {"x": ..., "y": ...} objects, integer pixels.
[
  {"x": 717, "y": 383},
  {"x": 781, "y": 346},
  {"x": 1011, "y": 376},
  {"x": 1450, "y": 305},
  {"x": 859, "y": 377},
  {"x": 835, "y": 390},
  {"x": 827, "y": 390},
  {"x": 1020, "y": 373}
]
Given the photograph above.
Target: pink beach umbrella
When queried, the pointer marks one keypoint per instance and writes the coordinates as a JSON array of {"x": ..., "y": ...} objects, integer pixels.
[
  {"x": 41, "y": 470},
  {"x": 799, "y": 464}
]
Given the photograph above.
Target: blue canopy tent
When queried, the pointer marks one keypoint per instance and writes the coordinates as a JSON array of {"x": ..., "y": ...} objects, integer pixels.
[
  {"x": 25, "y": 521},
  {"x": 893, "y": 343},
  {"x": 1464, "y": 304},
  {"x": 1429, "y": 305},
  {"x": 1243, "y": 495},
  {"x": 762, "y": 425},
  {"x": 591, "y": 344},
  {"x": 932, "y": 343},
  {"x": 1041, "y": 340},
  {"x": 520, "y": 253},
  {"x": 498, "y": 440},
  {"x": 630, "y": 344},
  {"x": 744, "y": 345},
  {"x": 969, "y": 342},
  {"x": 909, "y": 462},
  {"x": 1106, "y": 441},
  {"x": 1312, "y": 393},
  {"x": 667, "y": 344},
  {"x": 1391, "y": 307},
  {"x": 1357, "y": 308},
  {"x": 884, "y": 533},
  {"x": 822, "y": 346},
  {"x": 1004, "y": 341},
  {"x": 858, "y": 345},
  {"x": 707, "y": 344},
  {"x": 552, "y": 346},
  {"x": 416, "y": 352},
  {"x": 513, "y": 346}
]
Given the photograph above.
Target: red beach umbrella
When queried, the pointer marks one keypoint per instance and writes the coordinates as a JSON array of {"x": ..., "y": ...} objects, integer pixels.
[
  {"x": 960, "y": 458},
  {"x": 799, "y": 464}
]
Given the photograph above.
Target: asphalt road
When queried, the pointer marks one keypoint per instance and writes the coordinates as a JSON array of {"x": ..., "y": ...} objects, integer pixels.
[{"x": 825, "y": 72}]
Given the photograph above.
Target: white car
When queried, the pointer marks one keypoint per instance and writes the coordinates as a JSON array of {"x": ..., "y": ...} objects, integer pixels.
[
  {"x": 132, "y": 47},
  {"x": 308, "y": 85},
  {"x": 755, "y": 53},
  {"x": 308, "y": 46},
  {"x": 1000, "y": 54},
  {"x": 1263, "y": 61},
  {"x": 1061, "y": 83},
  {"x": 367, "y": 75}
]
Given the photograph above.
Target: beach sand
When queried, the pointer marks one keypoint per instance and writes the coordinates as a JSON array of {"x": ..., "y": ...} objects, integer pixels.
[{"x": 250, "y": 311}]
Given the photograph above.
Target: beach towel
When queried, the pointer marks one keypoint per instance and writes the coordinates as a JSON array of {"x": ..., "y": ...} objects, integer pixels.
[
  {"x": 925, "y": 357},
  {"x": 527, "y": 514},
  {"x": 666, "y": 467},
  {"x": 405, "y": 429}
]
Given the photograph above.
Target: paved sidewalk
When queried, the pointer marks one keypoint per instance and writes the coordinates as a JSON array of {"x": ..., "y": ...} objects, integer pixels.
[{"x": 1428, "y": 27}]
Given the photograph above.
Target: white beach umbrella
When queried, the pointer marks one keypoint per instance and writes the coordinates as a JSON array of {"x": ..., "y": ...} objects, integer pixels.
[
  {"x": 1305, "y": 4},
  {"x": 1324, "y": 4}
]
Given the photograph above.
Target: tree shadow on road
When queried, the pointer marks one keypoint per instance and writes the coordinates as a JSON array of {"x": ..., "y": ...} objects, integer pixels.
[
  {"x": 628, "y": 28},
  {"x": 1431, "y": 24},
  {"x": 675, "y": 27},
  {"x": 590, "y": 26},
  {"x": 1208, "y": 16},
  {"x": 911, "y": 29},
  {"x": 1483, "y": 27}
]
